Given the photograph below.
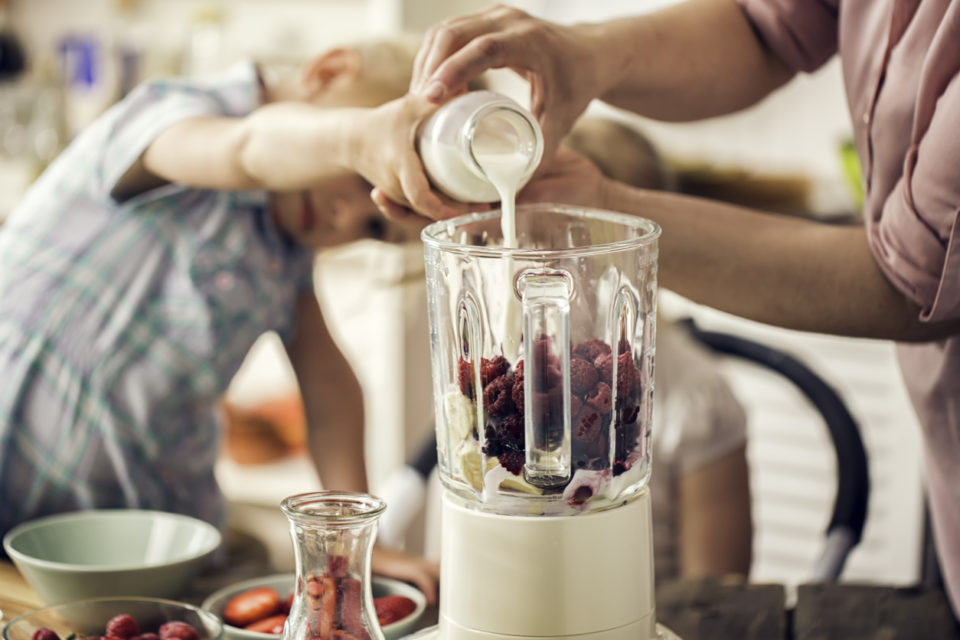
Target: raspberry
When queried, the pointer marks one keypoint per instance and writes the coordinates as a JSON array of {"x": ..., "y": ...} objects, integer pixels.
[
  {"x": 44, "y": 633},
  {"x": 583, "y": 376},
  {"x": 149, "y": 636},
  {"x": 604, "y": 365},
  {"x": 582, "y": 495},
  {"x": 588, "y": 425},
  {"x": 547, "y": 405},
  {"x": 590, "y": 349},
  {"x": 497, "y": 398},
  {"x": 575, "y": 405},
  {"x": 465, "y": 377},
  {"x": 626, "y": 372},
  {"x": 511, "y": 429},
  {"x": 122, "y": 626},
  {"x": 601, "y": 398},
  {"x": 512, "y": 461},
  {"x": 177, "y": 629},
  {"x": 492, "y": 444},
  {"x": 492, "y": 369},
  {"x": 550, "y": 377},
  {"x": 517, "y": 391},
  {"x": 543, "y": 352}
]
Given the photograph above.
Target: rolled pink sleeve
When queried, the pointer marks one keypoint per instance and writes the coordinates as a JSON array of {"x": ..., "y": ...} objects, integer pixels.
[
  {"x": 917, "y": 239},
  {"x": 802, "y": 33}
]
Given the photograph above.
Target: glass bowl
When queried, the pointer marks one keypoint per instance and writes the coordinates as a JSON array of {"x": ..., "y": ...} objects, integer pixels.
[{"x": 89, "y": 617}]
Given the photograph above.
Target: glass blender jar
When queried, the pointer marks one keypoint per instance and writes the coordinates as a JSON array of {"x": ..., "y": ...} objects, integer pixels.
[{"x": 543, "y": 359}]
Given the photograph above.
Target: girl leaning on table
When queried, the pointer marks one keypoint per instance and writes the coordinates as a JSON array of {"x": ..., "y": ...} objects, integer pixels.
[{"x": 143, "y": 264}]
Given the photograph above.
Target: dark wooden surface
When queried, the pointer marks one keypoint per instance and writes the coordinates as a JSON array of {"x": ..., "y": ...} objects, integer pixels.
[{"x": 719, "y": 610}]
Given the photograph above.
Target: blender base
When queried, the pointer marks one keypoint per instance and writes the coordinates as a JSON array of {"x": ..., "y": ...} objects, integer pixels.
[
  {"x": 433, "y": 633},
  {"x": 583, "y": 577}
]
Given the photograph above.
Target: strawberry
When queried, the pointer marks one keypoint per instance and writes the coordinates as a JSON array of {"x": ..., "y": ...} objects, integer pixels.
[{"x": 122, "y": 626}]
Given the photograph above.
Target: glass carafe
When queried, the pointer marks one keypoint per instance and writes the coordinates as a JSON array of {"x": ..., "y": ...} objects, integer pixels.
[
  {"x": 543, "y": 358},
  {"x": 333, "y": 534}
]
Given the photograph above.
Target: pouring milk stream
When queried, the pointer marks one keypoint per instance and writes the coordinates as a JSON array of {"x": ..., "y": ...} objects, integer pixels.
[{"x": 483, "y": 147}]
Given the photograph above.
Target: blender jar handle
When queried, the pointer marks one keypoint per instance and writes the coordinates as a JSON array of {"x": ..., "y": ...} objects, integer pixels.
[{"x": 545, "y": 298}]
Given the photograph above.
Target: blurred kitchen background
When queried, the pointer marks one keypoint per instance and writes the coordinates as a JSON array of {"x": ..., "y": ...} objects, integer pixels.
[{"x": 62, "y": 62}]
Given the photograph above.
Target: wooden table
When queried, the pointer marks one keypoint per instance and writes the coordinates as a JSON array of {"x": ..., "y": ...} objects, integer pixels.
[{"x": 714, "y": 610}]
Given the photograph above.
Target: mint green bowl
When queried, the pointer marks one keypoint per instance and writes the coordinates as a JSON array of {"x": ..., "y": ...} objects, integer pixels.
[{"x": 113, "y": 552}]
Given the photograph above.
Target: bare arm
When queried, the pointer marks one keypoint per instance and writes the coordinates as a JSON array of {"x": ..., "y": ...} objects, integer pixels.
[
  {"x": 332, "y": 399},
  {"x": 693, "y": 60},
  {"x": 790, "y": 272},
  {"x": 293, "y": 146},
  {"x": 716, "y": 529},
  {"x": 697, "y": 59}
]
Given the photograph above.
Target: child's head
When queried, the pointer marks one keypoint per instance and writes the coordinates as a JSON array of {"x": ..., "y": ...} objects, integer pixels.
[
  {"x": 365, "y": 74},
  {"x": 621, "y": 152}
]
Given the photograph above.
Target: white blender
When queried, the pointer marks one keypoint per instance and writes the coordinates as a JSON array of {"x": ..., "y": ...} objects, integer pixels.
[{"x": 543, "y": 358}]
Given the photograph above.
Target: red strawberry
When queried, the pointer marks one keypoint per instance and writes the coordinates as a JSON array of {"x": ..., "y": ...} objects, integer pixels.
[
  {"x": 122, "y": 626},
  {"x": 351, "y": 606},
  {"x": 179, "y": 630},
  {"x": 393, "y": 608},
  {"x": 273, "y": 624},
  {"x": 44, "y": 633}
]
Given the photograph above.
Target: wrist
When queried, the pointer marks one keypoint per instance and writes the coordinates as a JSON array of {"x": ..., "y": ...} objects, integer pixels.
[{"x": 351, "y": 148}]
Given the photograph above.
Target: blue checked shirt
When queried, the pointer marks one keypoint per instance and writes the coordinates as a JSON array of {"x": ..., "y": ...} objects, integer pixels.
[{"x": 122, "y": 324}]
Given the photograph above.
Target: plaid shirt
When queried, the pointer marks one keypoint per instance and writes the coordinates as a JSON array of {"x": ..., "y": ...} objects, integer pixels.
[{"x": 122, "y": 324}]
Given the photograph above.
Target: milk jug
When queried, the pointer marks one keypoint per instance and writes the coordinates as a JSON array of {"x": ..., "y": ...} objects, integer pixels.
[{"x": 480, "y": 147}]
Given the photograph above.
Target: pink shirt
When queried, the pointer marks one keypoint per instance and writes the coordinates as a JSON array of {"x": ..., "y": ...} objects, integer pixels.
[{"x": 901, "y": 68}]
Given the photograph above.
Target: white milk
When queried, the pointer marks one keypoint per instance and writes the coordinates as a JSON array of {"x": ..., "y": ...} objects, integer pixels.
[{"x": 505, "y": 171}]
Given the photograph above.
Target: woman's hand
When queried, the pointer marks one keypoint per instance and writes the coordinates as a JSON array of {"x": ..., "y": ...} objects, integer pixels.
[
  {"x": 384, "y": 152},
  {"x": 568, "y": 178},
  {"x": 422, "y": 573},
  {"x": 564, "y": 65}
]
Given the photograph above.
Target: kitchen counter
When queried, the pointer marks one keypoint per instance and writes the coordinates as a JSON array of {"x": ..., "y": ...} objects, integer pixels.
[{"x": 712, "y": 609}]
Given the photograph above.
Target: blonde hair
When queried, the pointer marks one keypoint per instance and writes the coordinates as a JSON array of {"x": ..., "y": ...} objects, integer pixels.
[{"x": 387, "y": 62}]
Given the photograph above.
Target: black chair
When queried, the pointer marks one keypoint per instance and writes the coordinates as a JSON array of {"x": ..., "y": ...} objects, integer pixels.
[{"x": 853, "y": 482}]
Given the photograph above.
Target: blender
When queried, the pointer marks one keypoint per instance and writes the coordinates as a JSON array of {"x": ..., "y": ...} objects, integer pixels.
[{"x": 543, "y": 355}]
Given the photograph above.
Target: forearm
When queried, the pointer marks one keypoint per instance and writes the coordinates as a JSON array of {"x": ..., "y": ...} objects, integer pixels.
[
  {"x": 790, "y": 272},
  {"x": 292, "y": 146},
  {"x": 332, "y": 399},
  {"x": 697, "y": 59},
  {"x": 286, "y": 146},
  {"x": 335, "y": 436}
]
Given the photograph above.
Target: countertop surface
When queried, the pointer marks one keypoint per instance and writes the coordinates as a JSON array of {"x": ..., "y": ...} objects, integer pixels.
[{"x": 704, "y": 609}]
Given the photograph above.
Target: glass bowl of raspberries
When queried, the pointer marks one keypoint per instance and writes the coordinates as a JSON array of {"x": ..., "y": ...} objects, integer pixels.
[{"x": 116, "y": 618}]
